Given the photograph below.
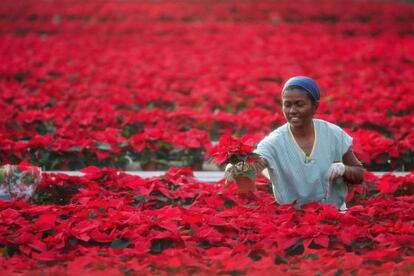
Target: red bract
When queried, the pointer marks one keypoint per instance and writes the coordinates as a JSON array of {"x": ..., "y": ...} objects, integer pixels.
[
  {"x": 232, "y": 149},
  {"x": 390, "y": 184},
  {"x": 192, "y": 139},
  {"x": 151, "y": 139},
  {"x": 45, "y": 222}
]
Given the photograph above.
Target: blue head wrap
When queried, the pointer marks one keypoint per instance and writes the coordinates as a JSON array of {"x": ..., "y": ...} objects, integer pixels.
[{"x": 306, "y": 83}]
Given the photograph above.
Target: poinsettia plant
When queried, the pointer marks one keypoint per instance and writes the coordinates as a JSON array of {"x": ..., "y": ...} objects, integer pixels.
[
  {"x": 236, "y": 151},
  {"x": 152, "y": 148},
  {"x": 190, "y": 147},
  {"x": 108, "y": 221},
  {"x": 19, "y": 181}
]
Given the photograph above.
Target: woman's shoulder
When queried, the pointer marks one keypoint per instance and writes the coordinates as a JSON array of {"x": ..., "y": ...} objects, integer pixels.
[
  {"x": 279, "y": 132},
  {"x": 323, "y": 125},
  {"x": 327, "y": 130}
]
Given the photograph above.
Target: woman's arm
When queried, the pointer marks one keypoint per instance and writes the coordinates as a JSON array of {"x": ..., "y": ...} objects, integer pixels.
[
  {"x": 259, "y": 165},
  {"x": 354, "y": 171}
]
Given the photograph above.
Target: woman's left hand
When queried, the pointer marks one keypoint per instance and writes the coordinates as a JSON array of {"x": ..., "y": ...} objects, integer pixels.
[{"x": 335, "y": 171}]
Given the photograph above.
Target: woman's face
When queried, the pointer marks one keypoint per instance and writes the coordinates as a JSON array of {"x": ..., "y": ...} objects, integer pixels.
[{"x": 298, "y": 107}]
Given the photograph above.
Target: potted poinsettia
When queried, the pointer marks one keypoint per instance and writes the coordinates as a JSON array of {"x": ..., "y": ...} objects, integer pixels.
[
  {"x": 190, "y": 147},
  {"x": 19, "y": 181},
  {"x": 238, "y": 152}
]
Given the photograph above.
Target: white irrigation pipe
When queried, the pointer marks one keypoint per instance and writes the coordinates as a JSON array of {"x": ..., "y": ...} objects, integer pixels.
[{"x": 204, "y": 176}]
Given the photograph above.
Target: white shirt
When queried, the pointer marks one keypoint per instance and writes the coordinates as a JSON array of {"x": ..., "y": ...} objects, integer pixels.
[{"x": 295, "y": 176}]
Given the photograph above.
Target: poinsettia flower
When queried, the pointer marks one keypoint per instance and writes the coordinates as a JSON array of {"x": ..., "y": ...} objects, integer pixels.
[{"x": 231, "y": 149}]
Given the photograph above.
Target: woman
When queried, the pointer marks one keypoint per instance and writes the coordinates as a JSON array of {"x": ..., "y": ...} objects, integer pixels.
[{"x": 308, "y": 159}]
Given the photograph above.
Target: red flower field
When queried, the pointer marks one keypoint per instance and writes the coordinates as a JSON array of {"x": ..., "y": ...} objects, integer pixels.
[
  {"x": 96, "y": 85},
  {"x": 113, "y": 223},
  {"x": 102, "y": 83}
]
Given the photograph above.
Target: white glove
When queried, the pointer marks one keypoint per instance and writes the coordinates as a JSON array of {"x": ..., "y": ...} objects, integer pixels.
[
  {"x": 335, "y": 170},
  {"x": 229, "y": 173}
]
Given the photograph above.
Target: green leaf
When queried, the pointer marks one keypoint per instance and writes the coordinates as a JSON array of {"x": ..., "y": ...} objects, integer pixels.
[
  {"x": 296, "y": 249},
  {"x": 162, "y": 199},
  {"x": 123, "y": 145},
  {"x": 408, "y": 268},
  {"x": 75, "y": 149},
  {"x": 29, "y": 178},
  {"x": 158, "y": 245},
  {"x": 73, "y": 241},
  {"x": 279, "y": 259},
  {"x": 43, "y": 197},
  {"x": 255, "y": 255},
  {"x": 250, "y": 174},
  {"x": 4, "y": 251},
  {"x": 140, "y": 197},
  {"x": 150, "y": 106},
  {"x": 228, "y": 203},
  {"x": 174, "y": 269},
  {"x": 48, "y": 233},
  {"x": 204, "y": 244},
  {"x": 311, "y": 256},
  {"x": 92, "y": 215},
  {"x": 100, "y": 266},
  {"x": 103, "y": 146},
  {"x": 120, "y": 243}
]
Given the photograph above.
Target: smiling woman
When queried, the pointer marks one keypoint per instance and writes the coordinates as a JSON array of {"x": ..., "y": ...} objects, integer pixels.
[{"x": 308, "y": 159}]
